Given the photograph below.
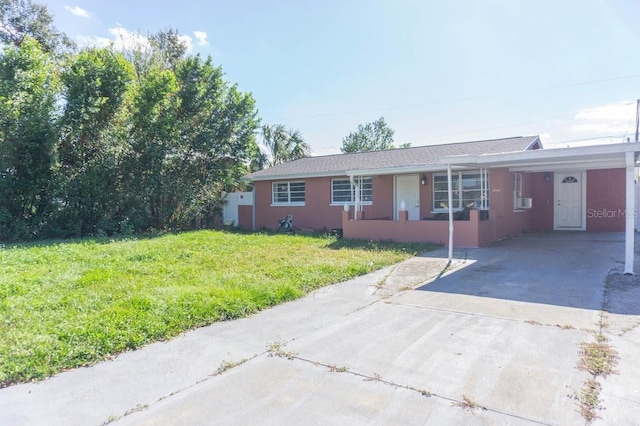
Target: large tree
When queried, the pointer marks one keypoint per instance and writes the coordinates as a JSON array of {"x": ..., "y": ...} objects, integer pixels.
[
  {"x": 284, "y": 145},
  {"x": 22, "y": 18},
  {"x": 28, "y": 86},
  {"x": 93, "y": 136},
  {"x": 375, "y": 136}
]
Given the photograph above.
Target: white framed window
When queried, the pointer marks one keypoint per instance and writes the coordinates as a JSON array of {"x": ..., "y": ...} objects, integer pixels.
[
  {"x": 288, "y": 193},
  {"x": 517, "y": 190},
  {"x": 343, "y": 192},
  {"x": 469, "y": 187}
]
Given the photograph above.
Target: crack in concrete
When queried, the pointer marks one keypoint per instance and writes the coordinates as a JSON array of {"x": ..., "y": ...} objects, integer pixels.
[{"x": 423, "y": 392}]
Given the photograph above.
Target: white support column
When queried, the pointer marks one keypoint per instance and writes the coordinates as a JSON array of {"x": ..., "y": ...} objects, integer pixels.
[
  {"x": 629, "y": 234},
  {"x": 450, "y": 195}
]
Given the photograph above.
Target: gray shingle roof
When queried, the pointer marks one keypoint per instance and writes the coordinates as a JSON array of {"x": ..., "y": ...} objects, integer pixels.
[{"x": 339, "y": 164}]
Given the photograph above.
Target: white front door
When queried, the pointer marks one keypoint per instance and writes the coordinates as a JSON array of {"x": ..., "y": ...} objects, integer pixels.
[
  {"x": 408, "y": 190},
  {"x": 569, "y": 200}
]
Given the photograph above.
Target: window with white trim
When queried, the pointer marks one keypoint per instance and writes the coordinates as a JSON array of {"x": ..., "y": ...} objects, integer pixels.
[
  {"x": 343, "y": 192},
  {"x": 469, "y": 188},
  {"x": 288, "y": 193},
  {"x": 517, "y": 190}
]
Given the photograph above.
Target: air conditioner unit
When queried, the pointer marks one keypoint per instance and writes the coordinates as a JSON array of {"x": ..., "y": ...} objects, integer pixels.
[{"x": 524, "y": 203}]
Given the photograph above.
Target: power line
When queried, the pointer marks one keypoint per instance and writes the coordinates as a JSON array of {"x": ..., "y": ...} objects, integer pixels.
[
  {"x": 498, "y": 127},
  {"x": 471, "y": 98}
]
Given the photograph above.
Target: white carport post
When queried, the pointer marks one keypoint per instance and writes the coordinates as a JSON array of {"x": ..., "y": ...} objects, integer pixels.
[
  {"x": 450, "y": 195},
  {"x": 629, "y": 214}
]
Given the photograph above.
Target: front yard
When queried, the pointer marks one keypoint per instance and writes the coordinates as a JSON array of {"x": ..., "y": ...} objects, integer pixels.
[{"x": 69, "y": 304}]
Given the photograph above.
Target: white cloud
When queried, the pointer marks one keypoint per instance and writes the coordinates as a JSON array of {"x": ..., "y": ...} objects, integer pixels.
[
  {"x": 78, "y": 11},
  {"x": 613, "y": 119},
  {"x": 201, "y": 38},
  {"x": 187, "y": 41},
  {"x": 123, "y": 39},
  {"x": 93, "y": 41}
]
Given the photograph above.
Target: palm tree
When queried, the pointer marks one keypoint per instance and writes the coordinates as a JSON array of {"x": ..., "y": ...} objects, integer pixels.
[{"x": 284, "y": 145}]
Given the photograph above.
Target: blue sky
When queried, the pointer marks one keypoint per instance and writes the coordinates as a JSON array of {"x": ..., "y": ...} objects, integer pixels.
[{"x": 438, "y": 71}]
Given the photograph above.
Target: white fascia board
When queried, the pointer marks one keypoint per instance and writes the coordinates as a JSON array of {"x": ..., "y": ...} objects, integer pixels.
[
  {"x": 296, "y": 176},
  {"x": 539, "y": 155},
  {"x": 427, "y": 168},
  {"x": 567, "y": 166}
]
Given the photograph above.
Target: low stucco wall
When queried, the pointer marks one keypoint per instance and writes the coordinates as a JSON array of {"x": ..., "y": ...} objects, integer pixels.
[{"x": 467, "y": 233}]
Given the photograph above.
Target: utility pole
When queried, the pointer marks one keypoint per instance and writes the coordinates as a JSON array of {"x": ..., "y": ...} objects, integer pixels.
[{"x": 637, "y": 118}]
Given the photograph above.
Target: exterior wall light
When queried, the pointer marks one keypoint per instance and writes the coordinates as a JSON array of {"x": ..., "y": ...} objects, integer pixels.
[
  {"x": 547, "y": 177},
  {"x": 423, "y": 180}
]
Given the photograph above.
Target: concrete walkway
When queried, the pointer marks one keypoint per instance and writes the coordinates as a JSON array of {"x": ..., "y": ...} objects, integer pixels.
[{"x": 495, "y": 339}]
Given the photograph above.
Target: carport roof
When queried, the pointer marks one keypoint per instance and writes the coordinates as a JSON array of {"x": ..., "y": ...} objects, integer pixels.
[{"x": 582, "y": 157}]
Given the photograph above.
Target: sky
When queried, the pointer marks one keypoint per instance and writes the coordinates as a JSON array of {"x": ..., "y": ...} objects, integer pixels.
[{"x": 437, "y": 71}]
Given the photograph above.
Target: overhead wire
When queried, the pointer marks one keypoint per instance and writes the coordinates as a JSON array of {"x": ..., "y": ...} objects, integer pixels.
[{"x": 470, "y": 98}]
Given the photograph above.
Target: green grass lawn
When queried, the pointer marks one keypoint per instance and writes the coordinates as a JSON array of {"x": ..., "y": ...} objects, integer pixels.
[{"x": 73, "y": 303}]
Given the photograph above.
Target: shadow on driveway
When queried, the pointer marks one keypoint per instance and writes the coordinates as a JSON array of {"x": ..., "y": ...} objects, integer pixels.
[{"x": 567, "y": 269}]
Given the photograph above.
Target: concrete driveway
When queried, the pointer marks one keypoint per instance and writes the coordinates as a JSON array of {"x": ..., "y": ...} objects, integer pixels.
[{"x": 495, "y": 339}]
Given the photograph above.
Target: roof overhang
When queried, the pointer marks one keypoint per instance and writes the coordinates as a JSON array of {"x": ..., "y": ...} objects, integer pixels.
[
  {"x": 294, "y": 176},
  {"x": 583, "y": 157},
  {"x": 398, "y": 170}
]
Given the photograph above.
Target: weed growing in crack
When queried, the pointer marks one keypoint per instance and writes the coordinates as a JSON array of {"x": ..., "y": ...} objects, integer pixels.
[
  {"x": 135, "y": 409},
  {"x": 467, "y": 404},
  {"x": 533, "y": 322},
  {"x": 375, "y": 378},
  {"x": 565, "y": 327},
  {"x": 589, "y": 400},
  {"x": 277, "y": 349},
  {"x": 228, "y": 365},
  {"x": 598, "y": 358},
  {"x": 426, "y": 393},
  {"x": 335, "y": 369}
]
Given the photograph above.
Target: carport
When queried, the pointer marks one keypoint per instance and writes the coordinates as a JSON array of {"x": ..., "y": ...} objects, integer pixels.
[{"x": 581, "y": 159}]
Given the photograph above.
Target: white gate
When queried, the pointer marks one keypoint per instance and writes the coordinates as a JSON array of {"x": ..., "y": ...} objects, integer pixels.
[{"x": 234, "y": 200}]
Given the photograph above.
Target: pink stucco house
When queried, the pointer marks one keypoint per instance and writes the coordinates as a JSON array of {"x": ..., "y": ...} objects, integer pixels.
[{"x": 496, "y": 187}]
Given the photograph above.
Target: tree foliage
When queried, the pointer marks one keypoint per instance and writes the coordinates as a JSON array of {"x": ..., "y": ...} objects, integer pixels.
[
  {"x": 27, "y": 138},
  {"x": 374, "y": 136},
  {"x": 23, "y": 18},
  {"x": 283, "y": 145},
  {"x": 107, "y": 142}
]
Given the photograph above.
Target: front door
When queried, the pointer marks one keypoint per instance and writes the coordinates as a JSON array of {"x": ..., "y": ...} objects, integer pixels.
[
  {"x": 569, "y": 200},
  {"x": 408, "y": 190}
]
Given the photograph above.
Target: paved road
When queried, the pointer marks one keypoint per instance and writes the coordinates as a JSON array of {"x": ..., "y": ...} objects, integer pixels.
[{"x": 494, "y": 340}]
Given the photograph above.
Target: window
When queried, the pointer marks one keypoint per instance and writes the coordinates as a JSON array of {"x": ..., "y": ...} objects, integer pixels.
[
  {"x": 468, "y": 188},
  {"x": 342, "y": 191},
  {"x": 517, "y": 190},
  {"x": 290, "y": 193}
]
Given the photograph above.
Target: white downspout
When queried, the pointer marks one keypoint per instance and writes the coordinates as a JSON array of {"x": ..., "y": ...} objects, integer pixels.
[
  {"x": 450, "y": 194},
  {"x": 629, "y": 214}
]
